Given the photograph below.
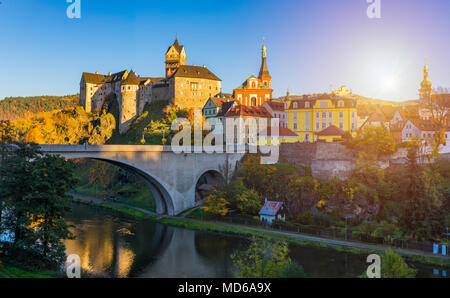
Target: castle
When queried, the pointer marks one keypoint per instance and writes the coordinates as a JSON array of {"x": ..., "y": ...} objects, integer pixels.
[{"x": 187, "y": 86}]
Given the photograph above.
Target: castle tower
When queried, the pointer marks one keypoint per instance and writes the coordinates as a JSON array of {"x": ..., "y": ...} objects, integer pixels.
[
  {"x": 264, "y": 74},
  {"x": 128, "y": 102},
  {"x": 175, "y": 56},
  {"x": 425, "y": 90}
]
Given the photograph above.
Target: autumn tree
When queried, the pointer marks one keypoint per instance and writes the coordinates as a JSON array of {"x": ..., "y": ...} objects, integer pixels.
[
  {"x": 249, "y": 202},
  {"x": 216, "y": 204}
]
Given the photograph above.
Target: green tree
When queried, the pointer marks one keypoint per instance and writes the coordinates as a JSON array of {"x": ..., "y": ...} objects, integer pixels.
[
  {"x": 52, "y": 178},
  {"x": 249, "y": 202},
  {"x": 374, "y": 141},
  {"x": 293, "y": 270},
  {"x": 34, "y": 187},
  {"x": 16, "y": 182},
  {"x": 263, "y": 259},
  {"x": 393, "y": 266}
]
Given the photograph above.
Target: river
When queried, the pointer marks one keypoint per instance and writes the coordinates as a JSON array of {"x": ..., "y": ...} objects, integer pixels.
[{"x": 110, "y": 245}]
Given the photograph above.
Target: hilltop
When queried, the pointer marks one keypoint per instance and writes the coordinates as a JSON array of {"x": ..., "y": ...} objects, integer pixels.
[{"x": 19, "y": 108}]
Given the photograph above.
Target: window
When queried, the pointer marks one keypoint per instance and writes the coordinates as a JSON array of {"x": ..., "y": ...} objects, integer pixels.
[
  {"x": 341, "y": 120},
  {"x": 306, "y": 120},
  {"x": 317, "y": 121},
  {"x": 330, "y": 118},
  {"x": 307, "y": 137},
  {"x": 341, "y": 104},
  {"x": 307, "y": 105},
  {"x": 295, "y": 105},
  {"x": 324, "y": 120},
  {"x": 323, "y": 104}
]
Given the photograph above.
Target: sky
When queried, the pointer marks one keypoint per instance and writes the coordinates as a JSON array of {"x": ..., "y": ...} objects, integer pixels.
[{"x": 312, "y": 46}]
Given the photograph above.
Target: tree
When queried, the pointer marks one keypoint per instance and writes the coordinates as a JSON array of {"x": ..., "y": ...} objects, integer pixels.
[
  {"x": 249, "y": 202},
  {"x": 422, "y": 201},
  {"x": 374, "y": 142},
  {"x": 393, "y": 266},
  {"x": 258, "y": 176},
  {"x": 35, "y": 187},
  {"x": 216, "y": 204},
  {"x": 16, "y": 182},
  {"x": 52, "y": 178},
  {"x": 293, "y": 270},
  {"x": 263, "y": 259}
]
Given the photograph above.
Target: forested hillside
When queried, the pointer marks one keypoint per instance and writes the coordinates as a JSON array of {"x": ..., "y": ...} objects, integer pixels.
[{"x": 17, "y": 108}]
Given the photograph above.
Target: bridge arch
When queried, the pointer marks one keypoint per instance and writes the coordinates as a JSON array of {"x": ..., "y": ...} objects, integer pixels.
[
  {"x": 204, "y": 183},
  {"x": 163, "y": 200}
]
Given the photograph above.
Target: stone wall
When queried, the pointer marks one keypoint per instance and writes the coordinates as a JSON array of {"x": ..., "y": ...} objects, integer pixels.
[
  {"x": 326, "y": 160},
  {"x": 331, "y": 160}
]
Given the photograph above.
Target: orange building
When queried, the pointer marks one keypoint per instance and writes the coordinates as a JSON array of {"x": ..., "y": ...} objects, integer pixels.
[{"x": 256, "y": 90}]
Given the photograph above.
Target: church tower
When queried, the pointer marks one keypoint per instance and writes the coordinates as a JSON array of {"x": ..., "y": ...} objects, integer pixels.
[
  {"x": 264, "y": 74},
  {"x": 425, "y": 90},
  {"x": 175, "y": 56}
]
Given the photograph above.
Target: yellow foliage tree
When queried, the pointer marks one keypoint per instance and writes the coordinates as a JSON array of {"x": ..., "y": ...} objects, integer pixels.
[{"x": 216, "y": 204}]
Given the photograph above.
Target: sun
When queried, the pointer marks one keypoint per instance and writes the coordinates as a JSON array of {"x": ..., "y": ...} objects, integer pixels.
[{"x": 390, "y": 82}]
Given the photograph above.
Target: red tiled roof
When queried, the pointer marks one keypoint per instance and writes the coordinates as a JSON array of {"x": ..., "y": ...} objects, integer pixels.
[
  {"x": 270, "y": 208},
  {"x": 276, "y": 106},
  {"x": 242, "y": 110},
  {"x": 226, "y": 106},
  {"x": 425, "y": 125},
  {"x": 283, "y": 132},
  {"x": 218, "y": 101},
  {"x": 331, "y": 131}
]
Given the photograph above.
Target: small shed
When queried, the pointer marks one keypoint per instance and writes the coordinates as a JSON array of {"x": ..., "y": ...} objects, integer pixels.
[{"x": 271, "y": 211}]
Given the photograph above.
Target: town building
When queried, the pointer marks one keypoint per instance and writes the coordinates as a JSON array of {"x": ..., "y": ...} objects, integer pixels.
[
  {"x": 330, "y": 134},
  {"x": 277, "y": 110},
  {"x": 272, "y": 211},
  {"x": 256, "y": 90},
  {"x": 309, "y": 115}
]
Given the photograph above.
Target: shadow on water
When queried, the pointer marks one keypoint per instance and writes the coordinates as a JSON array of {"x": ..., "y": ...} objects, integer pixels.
[{"x": 110, "y": 245}]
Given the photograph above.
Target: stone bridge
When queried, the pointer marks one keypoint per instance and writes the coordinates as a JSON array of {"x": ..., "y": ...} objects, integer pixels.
[{"x": 172, "y": 178}]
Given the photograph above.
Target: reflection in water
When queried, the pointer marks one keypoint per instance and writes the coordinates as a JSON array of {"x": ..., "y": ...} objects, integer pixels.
[{"x": 112, "y": 246}]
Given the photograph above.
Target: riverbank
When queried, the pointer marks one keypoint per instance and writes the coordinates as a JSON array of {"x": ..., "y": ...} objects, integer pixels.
[
  {"x": 248, "y": 231},
  {"x": 11, "y": 270}
]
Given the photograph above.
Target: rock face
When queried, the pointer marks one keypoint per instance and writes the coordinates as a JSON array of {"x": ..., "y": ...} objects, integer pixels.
[
  {"x": 326, "y": 160},
  {"x": 330, "y": 160}
]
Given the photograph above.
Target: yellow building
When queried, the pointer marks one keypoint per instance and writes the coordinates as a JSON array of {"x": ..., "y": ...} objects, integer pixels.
[{"x": 309, "y": 115}]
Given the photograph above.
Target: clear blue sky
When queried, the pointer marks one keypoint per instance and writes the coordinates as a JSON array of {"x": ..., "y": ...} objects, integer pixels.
[{"x": 312, "y": 45}]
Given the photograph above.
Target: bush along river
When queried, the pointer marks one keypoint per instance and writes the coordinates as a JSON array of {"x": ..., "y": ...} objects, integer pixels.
[{"x": 111, "y": 245}]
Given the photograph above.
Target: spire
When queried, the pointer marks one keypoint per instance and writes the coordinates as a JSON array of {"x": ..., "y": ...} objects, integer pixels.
[
  {"x": 426, "y": 84},
  {"x": 264, "y": 72}
]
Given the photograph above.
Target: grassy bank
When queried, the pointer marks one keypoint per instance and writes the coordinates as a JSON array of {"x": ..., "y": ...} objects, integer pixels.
[{"x": 10, "y": 269}]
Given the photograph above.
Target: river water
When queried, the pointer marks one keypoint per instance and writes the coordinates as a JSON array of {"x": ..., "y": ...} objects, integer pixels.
[{"x": 110, "y": 245}]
